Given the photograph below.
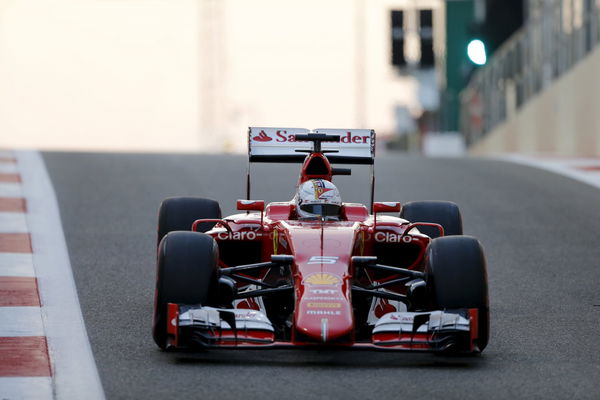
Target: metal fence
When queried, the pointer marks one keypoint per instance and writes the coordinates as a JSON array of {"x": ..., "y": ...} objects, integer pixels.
[{"x": 557, "y": 35}]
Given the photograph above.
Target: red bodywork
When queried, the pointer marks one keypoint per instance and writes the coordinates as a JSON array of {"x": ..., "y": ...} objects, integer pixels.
[{"x": 323, "y": 311}]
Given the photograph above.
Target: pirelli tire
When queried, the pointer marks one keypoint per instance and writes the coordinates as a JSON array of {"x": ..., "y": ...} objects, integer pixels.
[
  {"x": 179, "y": 213},
  {"x": 445, "y": 213},
  {"x": 186, "y": 274},
  {"x": 456, "y": 277}
]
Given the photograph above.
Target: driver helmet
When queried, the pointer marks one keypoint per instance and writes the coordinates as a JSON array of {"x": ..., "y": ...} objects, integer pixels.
[{"x": 318, "y": 198}]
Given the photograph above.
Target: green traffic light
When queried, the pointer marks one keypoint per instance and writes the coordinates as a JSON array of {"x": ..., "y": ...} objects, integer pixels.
[{"x": 476, "y": 52}]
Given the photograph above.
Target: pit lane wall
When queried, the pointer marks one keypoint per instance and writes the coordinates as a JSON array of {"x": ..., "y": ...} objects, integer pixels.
[{"x": 564, "y": 119}]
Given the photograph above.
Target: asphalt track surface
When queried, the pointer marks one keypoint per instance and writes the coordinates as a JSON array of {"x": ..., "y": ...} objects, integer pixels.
[{"x": 540, "y": 232}]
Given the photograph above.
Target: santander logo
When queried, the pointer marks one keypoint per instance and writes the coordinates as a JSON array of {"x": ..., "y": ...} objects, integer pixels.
[
  {"x": 262, "y": 137},
  {"x": 282, "y": 136}
]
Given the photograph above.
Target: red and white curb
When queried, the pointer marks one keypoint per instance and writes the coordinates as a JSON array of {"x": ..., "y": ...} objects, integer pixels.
[
  {"x": 44, "y": 349},
  {"x": 583, "y": 169}
]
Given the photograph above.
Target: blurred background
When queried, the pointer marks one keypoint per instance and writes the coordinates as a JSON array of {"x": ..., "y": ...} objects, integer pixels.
[{"x": 432, "y": 76}]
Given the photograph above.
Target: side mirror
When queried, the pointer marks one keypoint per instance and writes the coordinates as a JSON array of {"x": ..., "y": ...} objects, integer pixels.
[
  {"x": 386, "y": 206},
  {"x": 251, "y": 205}
]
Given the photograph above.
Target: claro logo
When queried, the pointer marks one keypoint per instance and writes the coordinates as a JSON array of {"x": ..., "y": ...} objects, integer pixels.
[
  {"x": 238, "y": 235},
  {"x": 387, "y": 237}
]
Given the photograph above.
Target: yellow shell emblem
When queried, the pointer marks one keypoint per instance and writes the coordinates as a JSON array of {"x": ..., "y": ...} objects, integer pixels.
[{"x": 322, "y": 278}]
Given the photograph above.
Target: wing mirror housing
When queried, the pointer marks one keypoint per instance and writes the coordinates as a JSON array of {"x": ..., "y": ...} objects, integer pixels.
[
  {"x": 386, "y": 206},
  {"x": 251, "y": 205}
]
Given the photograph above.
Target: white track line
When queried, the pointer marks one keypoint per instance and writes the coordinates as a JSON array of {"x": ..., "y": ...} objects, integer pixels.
[
  {"x": 10, "y": 190},
  {"x": 18, "y": 388},
  {"x": 8, "y": 168},
  {"x": 21, "y": 321},
  {"x": 16, "y": 264},
  {"x": 566, "y": 167},
  {"x": 74, "y": 370},
  {"x": 11, "y": 222}
]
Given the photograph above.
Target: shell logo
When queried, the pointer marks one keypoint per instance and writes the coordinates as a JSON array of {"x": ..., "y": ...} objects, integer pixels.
[{"x": 322, "y": 278}]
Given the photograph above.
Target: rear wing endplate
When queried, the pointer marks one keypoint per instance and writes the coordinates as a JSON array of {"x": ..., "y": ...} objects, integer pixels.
[{"x": 356, "y": 146}]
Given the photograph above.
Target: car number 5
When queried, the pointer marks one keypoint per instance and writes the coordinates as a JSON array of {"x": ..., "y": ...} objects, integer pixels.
[{"x": 323, "y": 260}]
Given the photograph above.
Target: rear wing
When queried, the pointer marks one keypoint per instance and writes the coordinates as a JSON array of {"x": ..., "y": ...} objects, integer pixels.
[{"x": 356, "y": 146}]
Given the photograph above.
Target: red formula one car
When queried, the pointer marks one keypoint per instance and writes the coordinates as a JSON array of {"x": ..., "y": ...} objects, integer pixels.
[{"x": 314, "y": 271}]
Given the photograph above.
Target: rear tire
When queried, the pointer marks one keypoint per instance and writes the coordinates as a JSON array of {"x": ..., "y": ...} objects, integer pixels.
[
  {"x": 445, "y": 213},
  {"x": 457, "y": 278},
  {"x": 179, "y": 213},
  {"x": 186, "y": 274}
]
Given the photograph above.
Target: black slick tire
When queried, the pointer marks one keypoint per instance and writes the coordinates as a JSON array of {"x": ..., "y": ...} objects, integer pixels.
[
  {"x": 445, "y": 213},
  {"x": 179, "y": 213},
  {"x": 456, "y": 276},
  {"x": 186, "y": 274}
]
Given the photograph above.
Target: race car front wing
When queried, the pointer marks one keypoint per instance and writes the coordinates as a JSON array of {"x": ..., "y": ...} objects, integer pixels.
[
  {"x": 436, "y": 331},
  {"x": 433, "y": 330}
]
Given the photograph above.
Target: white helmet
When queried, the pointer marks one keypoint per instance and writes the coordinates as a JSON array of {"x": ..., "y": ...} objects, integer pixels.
[{"x": 318, "y": 198}]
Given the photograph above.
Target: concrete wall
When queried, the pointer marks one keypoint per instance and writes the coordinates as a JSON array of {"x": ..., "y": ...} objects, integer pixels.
[{"x": 564, "y": 119}]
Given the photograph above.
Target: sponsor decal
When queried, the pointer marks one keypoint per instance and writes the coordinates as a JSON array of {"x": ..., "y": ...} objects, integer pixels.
[
  {"x": 323, "y": 260},
  {"x": 402, "y": 318},
  {"x": 249, "y": 315},
  {"x": 282, "y": 136},
  {"x": 390, "y": 237},
  {"x": 322, "y": 291},
  {"x": 244, "y": 235},
  {"x": 262, "y": 137},
  {"x": 326, "y": 298},
  {"x": 383, "y": 307},
  {"x": 323, "y": 278},
  {"x": 323, "y": 312},
  {"x": 324, "y": 305},
  {"x": 319, "y": 188},
  {"x": 348, "y": 138},
  {"x": 275, "y": 242}
]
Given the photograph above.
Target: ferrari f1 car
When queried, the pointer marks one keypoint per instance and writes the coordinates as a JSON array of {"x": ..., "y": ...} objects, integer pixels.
[{"x": 314, "y": 271}]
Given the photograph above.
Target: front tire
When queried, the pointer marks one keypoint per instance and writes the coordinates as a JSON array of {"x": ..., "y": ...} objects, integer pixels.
[
  {"x": 445, "y": 213},
  {"x": 179, "y": 213},
  {"x": 186, "y": 274},
  {"x": 456, "y": 275}
]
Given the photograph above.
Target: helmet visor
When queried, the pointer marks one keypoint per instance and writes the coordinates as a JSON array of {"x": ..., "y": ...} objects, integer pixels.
[{"x": 325, "y": 210}]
